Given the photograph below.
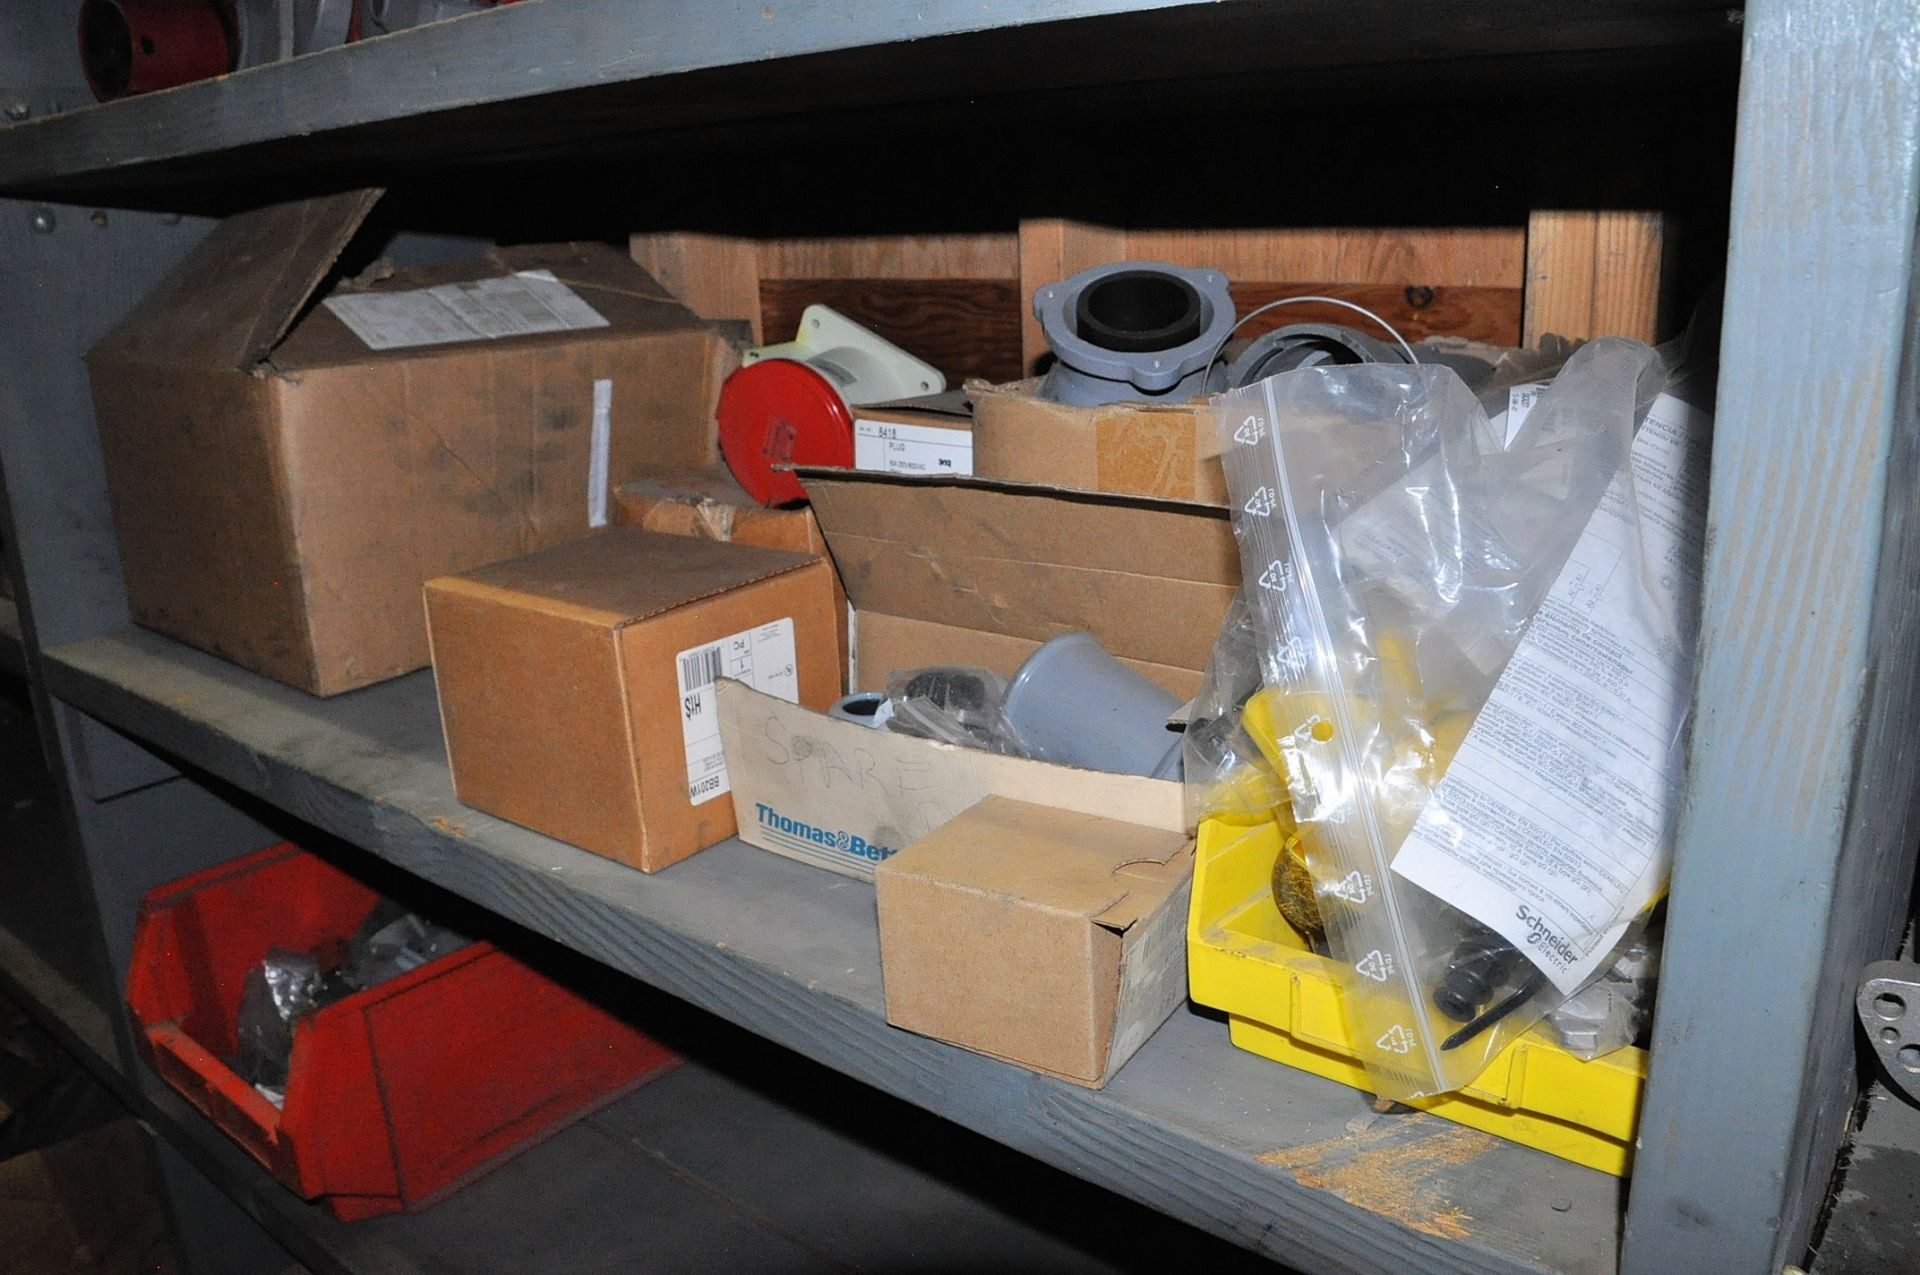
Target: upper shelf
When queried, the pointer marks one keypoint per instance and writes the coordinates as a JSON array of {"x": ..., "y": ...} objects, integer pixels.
[
  {"x": 1272, "y": 1158},
  {"x": 523, "y": 80}
]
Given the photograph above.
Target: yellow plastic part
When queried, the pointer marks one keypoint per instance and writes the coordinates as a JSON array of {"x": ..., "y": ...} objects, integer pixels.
[{"x": 1283, "y": 1002}]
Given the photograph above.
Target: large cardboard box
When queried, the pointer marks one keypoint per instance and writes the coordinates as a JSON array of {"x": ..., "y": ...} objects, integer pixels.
[
  {"x": 1046, "y": 938},
  {"x": 290, "y": 456},
  {"x": 577, "y": 683},
  {"x": 711, "y": 503},
  {"x": 975, "y": 571},
  {"x": 1169, "y": 450}
]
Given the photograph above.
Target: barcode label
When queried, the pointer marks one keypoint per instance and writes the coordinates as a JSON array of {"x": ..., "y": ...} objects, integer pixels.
[
  {"x": 764, "y": 659},
  {"x": 700, "y": 668}
]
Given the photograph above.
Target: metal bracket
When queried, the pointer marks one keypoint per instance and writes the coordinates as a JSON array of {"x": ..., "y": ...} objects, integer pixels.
[{"x": 1889, "y": 1008}]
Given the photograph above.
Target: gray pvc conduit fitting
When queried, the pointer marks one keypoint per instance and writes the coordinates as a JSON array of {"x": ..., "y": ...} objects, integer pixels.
[
  {"x": 1074, "y": 704},
  {"x": 863, "y": 708},
  {"x": 1132, "y": 331},
  {"x": 1307, "y": 345}
]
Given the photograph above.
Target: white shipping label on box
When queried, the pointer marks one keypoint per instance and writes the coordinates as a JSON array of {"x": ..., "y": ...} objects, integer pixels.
[
  {"x": 889, "y": 447},
  {"x": 763, "y": 658},
  {"x": 1553, "y": 824},
  {"x": 481, "y": 310}
]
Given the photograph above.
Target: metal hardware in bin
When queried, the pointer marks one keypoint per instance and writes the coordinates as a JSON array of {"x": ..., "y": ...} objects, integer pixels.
[
  {"x": 397, "y": 1095},
  {"x": 1284, "y": 1002}
]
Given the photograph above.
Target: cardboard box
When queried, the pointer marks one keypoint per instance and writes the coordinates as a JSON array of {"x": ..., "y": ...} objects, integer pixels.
[
  {"x": 845, "y": 797},
  {"x": 1045, "y": 938},
  {"x": 998, "y": 568},
  {"x": 710, "y": 503},
  {"x": 576, "y": 684},
  {"x": 283, "y": 482},
  {"x": 932, "y": 434},
  {"x": 1169, "y": 450}
]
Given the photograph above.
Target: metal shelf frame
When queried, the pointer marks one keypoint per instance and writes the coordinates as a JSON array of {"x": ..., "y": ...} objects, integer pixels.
[{"x": 1795, "y": 847}]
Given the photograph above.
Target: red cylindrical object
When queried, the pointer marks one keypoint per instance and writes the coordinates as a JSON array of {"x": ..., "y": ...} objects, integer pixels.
[
  {"x": 137, "y": 46},
  {"x": 778, "y": 412}
]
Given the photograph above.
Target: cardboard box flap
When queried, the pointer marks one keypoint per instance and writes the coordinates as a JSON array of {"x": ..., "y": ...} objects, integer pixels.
[
  {"x": 597, "y": 576},
  {"x": 626, "y": 296},
  {"x": 954, "y": 403},
  {"x": 953, "y": 516},
  {"x": 236, "y": 295},
  {"x": 1032, "y": 561},
  {"x": 1072, "y": 865}
]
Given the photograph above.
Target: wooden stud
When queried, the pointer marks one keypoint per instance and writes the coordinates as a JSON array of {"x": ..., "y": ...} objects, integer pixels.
[
  {"x": 718, "y": 276},
  {"x": 1593, "y": 273}
]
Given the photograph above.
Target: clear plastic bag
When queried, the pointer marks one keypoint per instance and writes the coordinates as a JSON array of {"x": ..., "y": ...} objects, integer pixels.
[
  {"x": 954, "y": 705},
  {"x": 1397, "y": 549}
]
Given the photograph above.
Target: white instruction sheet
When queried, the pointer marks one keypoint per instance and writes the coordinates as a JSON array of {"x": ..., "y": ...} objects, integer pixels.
[
  {"x": 481, "y": 310},
  {"x": 764, "y": 659},
  {"x": 1554, "y": 824},
  {"x": 889, "y": 447}
]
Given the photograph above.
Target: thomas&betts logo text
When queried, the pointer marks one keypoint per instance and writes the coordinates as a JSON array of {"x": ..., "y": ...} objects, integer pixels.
[{"x": 795, "y": 830}]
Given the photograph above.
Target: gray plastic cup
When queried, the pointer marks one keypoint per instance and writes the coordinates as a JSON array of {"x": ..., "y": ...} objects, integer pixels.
[
  {"x": 862, "y": 708},
  {"x": 1073, "y": 703}
]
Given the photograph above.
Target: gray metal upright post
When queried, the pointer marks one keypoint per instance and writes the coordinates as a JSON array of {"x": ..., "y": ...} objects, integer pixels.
[{"x": 1796, "y": 843}]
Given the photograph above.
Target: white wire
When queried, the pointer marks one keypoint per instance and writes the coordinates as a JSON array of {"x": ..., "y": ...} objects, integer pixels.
[{"x": 1275, "y": 305}]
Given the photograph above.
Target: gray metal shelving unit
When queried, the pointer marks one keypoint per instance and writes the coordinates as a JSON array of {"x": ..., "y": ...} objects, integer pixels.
[{"x": 1795, "y": 850}]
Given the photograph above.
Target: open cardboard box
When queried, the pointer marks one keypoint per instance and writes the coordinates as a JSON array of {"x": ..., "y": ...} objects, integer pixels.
[
  {"x": 974, "y": 572},
  {"x": 291, "y": 454}
]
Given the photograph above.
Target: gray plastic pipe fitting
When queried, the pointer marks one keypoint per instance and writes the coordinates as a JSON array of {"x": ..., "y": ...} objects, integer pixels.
[
  {"x": 1132, "y": 331},
  {"x": 1073, "y": 703}
]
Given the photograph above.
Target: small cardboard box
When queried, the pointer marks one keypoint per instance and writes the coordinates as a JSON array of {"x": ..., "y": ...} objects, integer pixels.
[
  {"x": 846, "y": 797},
  {"x": 1046, "y": 938},
  {"x": 289, "y": 459},
  {"x": 977, "y": 571},
  {"x": 710, "y": 503},
  {"x": 577, "y": 683},
  {"x": 932, "y": 434},
  {"x": 1169, "y": 450}
]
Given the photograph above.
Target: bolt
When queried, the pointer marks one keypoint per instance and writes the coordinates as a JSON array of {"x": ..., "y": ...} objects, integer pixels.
[
  {"x": 1419, "y": 297},
  {"x": 18, "y": 110},
  {"x": 43, "y": 221},
  {"x": 99, "y": 218}
]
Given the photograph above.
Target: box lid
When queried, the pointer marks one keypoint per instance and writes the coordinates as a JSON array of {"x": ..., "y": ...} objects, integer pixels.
[
  {"x": 623, "y": 575},
  {"x": 236, "y": 295},
  {"x": 1102, "y": 871}
]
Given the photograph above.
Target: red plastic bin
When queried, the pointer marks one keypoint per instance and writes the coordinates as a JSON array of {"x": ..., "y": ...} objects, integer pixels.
[{"x": 396, "y": 1096}]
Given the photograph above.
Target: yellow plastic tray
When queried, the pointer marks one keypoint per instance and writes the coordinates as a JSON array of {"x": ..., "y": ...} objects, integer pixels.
[{"x": 1283, "y": 1002}]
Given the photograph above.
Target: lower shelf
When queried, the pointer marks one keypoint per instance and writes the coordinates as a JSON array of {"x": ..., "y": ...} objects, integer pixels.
[{"x": 1293, "y": 1166}]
